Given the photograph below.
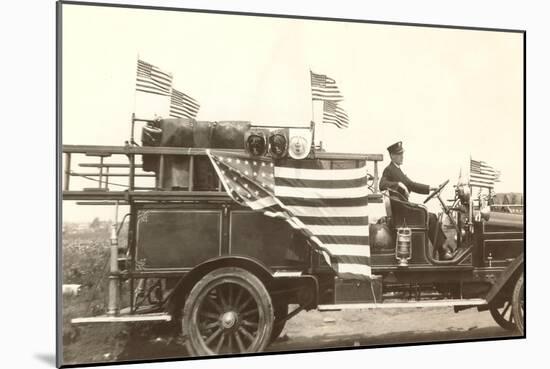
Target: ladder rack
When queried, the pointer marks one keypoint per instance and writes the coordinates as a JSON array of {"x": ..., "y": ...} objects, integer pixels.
[{"x": 126, "y": 170}]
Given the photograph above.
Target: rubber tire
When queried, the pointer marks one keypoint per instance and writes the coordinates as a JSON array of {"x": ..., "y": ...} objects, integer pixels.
[
  {"x": 509, "y": 326},
  {"x": 229, "y": 274},
  {"x": 517, "y": 297},
  {"x": 281, "y": 311}
]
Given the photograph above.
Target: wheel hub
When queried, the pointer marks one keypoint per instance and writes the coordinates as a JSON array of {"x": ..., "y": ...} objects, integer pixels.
[{"x": 229, "y": 319}]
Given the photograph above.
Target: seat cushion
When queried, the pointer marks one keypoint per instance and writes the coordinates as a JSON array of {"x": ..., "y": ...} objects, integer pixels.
[{"x": 408, "y": 214}]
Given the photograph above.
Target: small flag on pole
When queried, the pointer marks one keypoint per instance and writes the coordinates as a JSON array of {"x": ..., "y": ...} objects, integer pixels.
[
  {"x": 324, "y": 88},
  {"x": 151, "y": 79},
  {"x": 182, "y": 105},
  {"x": 482, "y": 174},
  {"x": 334, "y": 114},
  {"x": 327, "y": 205}
]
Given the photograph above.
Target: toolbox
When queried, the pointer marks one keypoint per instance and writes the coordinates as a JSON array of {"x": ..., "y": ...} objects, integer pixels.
[{"x": 349, "y": 291}]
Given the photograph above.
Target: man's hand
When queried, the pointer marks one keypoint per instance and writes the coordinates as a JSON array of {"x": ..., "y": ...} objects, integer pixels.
[
  {"x": 433, "y": 188},
  {"x": 404, "y": 188}
]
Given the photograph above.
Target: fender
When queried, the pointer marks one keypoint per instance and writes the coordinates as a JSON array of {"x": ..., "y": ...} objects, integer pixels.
[
  {"x": 253, "y": 265},
  {"x": 506, "y": 276}
]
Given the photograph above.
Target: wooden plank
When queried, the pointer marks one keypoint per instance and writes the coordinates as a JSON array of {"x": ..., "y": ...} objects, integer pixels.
[
  {"x": 123, "y": 318},
  {"x": 77, "y": 174},
  {"x": 96, "y": 194},
  {"x": 107, "y": 165},
  {"x": 101, "y": 203}
]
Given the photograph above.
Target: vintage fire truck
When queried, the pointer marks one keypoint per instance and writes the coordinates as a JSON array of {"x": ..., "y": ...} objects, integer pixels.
[{"x": 230, "y": 277}]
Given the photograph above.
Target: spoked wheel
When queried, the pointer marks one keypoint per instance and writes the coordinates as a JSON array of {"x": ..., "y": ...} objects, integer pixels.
[
  {"x": 504, "y": 315},
  {"x": 518, "y": 302},
  {"x": 228, "y": 311}
]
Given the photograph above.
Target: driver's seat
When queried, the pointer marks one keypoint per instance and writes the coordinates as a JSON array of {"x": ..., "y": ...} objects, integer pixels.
[{"x": 405, "y": 213}]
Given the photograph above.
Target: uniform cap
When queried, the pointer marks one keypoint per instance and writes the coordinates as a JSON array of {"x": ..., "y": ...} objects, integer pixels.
[{"x": 396, "y": 148}]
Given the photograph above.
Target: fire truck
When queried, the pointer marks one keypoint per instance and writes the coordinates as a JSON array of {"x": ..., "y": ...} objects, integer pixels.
[{"x": 230, "y": 277}]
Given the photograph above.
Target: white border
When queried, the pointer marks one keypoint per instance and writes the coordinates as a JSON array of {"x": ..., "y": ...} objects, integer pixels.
[{"x": 29, "y": 183}]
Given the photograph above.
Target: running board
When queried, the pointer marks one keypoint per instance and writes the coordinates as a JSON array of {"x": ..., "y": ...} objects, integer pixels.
[
  {"x": 123, "y": 318},
  {"x": 407, "y": 304}
]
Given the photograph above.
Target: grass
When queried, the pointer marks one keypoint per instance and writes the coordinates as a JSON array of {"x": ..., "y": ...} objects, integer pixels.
[{"x": 85, "y": 262}]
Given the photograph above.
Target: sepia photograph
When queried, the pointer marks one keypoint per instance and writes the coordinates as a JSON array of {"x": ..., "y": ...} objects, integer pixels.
[{"x": 236, "y": 184}]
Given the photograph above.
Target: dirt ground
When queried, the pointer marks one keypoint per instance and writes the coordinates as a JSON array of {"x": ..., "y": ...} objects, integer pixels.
[{"x": 308, "y": 330}]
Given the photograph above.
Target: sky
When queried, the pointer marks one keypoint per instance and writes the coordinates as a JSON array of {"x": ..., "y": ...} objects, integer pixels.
[{"x": 447, "y": 94}]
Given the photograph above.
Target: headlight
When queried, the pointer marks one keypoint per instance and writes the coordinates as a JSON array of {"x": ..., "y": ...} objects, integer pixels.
[
  {"x": 485, "y": 213},
  {"x": 464, "y": 194}
]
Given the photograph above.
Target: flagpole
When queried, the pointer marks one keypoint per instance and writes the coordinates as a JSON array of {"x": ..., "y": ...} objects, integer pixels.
[
  {"x": 312, "y": 109},
  {"x": 135, "y": 103},
  {"x": 313, "y": 121},
  {"x": 471, "y": 212}
]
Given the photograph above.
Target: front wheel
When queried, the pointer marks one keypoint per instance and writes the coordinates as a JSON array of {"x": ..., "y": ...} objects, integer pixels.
[
  {"x": 504, "y": 315},
  {"x": 228, "y": 311},
  {"x": 518, "y": 302}
]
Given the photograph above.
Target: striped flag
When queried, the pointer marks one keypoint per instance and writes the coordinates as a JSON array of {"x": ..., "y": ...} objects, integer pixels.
[
  {"x": 151, "y": 79},
  {"x": 329, "y": 206},
  {"x": 334, "y": 114},
  {"x": 324, "y": 88},
  {"x": 482, "y": 174},
  {"x": 182, "y": 105}
]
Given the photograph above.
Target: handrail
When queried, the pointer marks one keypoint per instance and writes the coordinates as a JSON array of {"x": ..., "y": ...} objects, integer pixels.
[{"x": 192, "y": 151}]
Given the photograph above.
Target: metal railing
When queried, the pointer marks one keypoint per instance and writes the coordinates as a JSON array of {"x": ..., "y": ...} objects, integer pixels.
[{"x": 105, "y": 171}]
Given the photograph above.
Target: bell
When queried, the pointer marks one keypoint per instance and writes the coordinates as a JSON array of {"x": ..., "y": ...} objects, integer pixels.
[
  {"x": 485, "y": 213},
  {"x": 380, "y": 236}
]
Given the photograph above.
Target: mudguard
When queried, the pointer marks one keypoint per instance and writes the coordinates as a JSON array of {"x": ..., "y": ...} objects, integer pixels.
[{"x": 509, "y": 273}]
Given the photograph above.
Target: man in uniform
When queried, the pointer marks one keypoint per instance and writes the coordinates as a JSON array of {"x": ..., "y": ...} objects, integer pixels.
[{"x": 394, "y": 179}]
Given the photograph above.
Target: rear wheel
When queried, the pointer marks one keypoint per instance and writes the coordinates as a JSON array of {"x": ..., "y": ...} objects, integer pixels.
[
  {"x": 518, "y": 302},
  {"x": 228, "y": 311}
]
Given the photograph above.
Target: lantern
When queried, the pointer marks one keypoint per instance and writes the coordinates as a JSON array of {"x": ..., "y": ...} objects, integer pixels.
[{"x": 403, "y": 246}]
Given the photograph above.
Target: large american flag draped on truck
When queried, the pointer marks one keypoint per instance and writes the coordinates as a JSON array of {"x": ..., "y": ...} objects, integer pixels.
[{"x": 328, "y": 205}]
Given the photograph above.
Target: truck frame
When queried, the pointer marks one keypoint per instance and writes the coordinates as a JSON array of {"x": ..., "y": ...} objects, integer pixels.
[{"x": 230, "y": 277}]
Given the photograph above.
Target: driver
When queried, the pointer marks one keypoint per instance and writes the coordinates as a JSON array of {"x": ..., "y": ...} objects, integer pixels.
[{"x": 394, "y": 179}]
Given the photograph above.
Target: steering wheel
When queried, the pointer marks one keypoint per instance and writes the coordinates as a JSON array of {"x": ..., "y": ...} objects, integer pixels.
[{"x": 433, "y": 194}]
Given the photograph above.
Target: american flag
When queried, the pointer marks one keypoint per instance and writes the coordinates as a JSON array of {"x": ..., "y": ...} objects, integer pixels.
[
  {"x": 151, "y": 79},
  {"x": 482, "y": 174},
  {"x": 334, "y": 114},
  {"x": 182, "y": 105},
  {"x": 329, "y": 206},
  {"x": 324, "y": 88}
]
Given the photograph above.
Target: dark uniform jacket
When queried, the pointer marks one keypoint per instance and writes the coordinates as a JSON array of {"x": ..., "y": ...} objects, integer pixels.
[{"x": 393, "y": 175}]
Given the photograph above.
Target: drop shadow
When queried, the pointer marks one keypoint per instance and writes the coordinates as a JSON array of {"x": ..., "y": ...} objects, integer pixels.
[{"x": 47, "y": 358}]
